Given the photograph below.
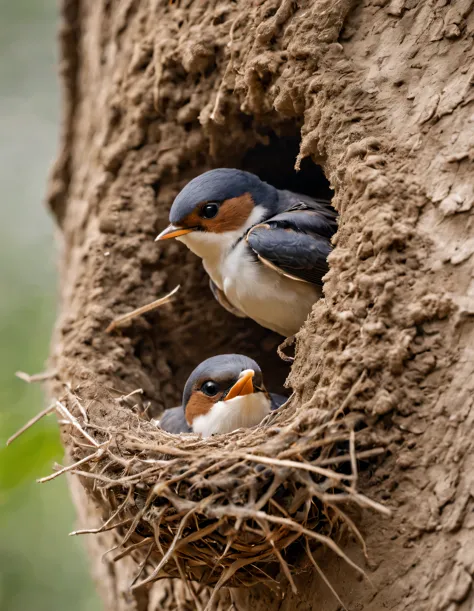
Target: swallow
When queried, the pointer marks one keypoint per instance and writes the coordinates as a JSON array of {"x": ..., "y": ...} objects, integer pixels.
[
  {"x": 222, "y": 394},
  {"x": 264, "y": 249}
]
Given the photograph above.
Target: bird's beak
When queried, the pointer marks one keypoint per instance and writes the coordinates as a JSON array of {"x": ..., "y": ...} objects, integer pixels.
[
  {"x": 243, "y": 386},
  {"x": 172, "y": 232}
]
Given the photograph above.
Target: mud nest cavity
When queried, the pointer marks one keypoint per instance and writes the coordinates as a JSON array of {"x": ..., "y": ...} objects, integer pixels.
[{"x": 232, "y": 510}]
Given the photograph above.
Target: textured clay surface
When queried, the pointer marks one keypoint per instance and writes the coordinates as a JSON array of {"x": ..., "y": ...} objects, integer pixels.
[{"x": 380, "y": 95}]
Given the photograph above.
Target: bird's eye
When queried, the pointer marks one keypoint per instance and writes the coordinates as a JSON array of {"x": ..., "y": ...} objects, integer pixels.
[
  {"x": 209, "y": 211},
  {"x": 210, "y": 388}
]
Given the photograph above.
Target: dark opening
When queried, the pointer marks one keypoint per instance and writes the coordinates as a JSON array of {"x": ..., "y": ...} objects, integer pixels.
[{"x": 275, "y": 163}]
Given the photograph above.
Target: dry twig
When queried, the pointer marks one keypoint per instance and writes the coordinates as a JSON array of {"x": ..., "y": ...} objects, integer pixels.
[
  {"x": 121, "y": 320},
  {"x": 30, "y": 423},
  {"x": 67, "y": 414},
  {"x": 36, "y": 377}
]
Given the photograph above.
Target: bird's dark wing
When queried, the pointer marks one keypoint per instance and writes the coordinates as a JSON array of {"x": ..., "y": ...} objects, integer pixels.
[
  {"x": 173, "y": 421},
  {"x": 323, "y": 222},
  {"x": 296, "y": 242},
  {"x": 277, "y": 401},
  {"x": 220, "y": 297}
]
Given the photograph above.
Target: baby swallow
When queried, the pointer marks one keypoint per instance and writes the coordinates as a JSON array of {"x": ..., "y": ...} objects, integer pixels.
[
  {"x": 223, "y": 393},
  {"x": 264, "y": 249}
]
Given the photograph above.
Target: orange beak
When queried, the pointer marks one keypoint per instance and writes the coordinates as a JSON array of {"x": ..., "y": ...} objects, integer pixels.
[
  {"x": 172, "y": 232},
  {"x": 243, "y": 386}
]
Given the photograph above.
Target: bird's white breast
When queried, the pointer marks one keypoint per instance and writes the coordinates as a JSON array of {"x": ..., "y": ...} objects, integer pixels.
[
  {"x": 227, "y": 416},
  {"x": 271, "y": 299}
]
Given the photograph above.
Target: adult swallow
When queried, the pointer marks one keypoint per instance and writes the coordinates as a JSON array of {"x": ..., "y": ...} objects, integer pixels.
[
  {"x": 265, "y": 249},
  {"x": 223, "y": 393}
]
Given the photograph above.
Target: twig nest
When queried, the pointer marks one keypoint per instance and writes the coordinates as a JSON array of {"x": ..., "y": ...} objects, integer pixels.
[{"x": 230, "y": 510}]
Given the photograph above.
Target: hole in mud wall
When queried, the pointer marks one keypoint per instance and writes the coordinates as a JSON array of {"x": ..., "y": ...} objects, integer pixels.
[
  {"x": 195, "y": 326},
  {"x": 275, "y": 162}
]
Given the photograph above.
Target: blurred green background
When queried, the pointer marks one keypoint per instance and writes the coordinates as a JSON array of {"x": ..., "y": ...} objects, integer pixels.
[{"x": 40, "y": 566}]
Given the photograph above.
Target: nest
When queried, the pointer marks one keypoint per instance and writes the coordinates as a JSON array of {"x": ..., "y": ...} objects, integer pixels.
[{"x": 232, "y": 510}]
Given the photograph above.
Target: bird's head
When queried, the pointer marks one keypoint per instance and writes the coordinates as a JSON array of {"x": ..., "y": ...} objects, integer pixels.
[
  {"x": 217, "y": 207},
  {"x": 224, "y": 393}
]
